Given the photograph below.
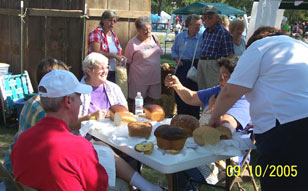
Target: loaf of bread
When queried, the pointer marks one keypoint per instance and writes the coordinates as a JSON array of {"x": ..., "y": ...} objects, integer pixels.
[
  {"x": 117, "y": 108},
  {"x": 206, "y": 135},
  {"x": 187, "y": 122},
  {"x": 154, "y": 112},
  {"x": 139, "y": 129},
  {"x": 226, "y": 133},
  {"x": 120, "y": 118},
  {"x": 170, "y": 138}
]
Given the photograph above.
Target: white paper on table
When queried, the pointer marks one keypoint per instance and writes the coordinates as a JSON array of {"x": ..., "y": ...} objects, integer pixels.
[{"x": 106, "y": 159}]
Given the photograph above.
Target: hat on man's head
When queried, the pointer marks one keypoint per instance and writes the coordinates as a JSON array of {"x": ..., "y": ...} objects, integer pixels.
[
  {"x": 209, "y": 10},
  {"x": 59, "y": 83}
]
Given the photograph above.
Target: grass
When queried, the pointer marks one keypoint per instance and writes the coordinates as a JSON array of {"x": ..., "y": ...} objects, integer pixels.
[{"x": 6, "y": 138}]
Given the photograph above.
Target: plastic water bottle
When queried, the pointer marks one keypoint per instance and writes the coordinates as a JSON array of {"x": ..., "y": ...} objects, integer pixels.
[{"x": 138, "y": 104}]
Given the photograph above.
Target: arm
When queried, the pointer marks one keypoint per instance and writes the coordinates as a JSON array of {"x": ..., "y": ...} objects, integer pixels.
[
  {"x": 188, "y": 96},
  {"x": 129, "y": 50},
  {"x": 227, "y": 45},
  {"x": 96, "y": 47},
  {"x": 176, "y": 50},
  {"x": 226, "y": 99},
  {"x": 97, "y": 115}
]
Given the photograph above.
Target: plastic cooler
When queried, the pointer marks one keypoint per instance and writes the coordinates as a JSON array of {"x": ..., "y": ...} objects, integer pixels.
[{"x": 4, "y": 68}]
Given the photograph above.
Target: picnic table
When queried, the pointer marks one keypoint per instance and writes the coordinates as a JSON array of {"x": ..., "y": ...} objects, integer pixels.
[{"x": 191, "y": 156}]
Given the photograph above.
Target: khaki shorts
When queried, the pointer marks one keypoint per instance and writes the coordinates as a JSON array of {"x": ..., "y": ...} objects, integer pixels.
[
  {"x": 208, "y": 73},
  {"x": 152, "y": 91}
]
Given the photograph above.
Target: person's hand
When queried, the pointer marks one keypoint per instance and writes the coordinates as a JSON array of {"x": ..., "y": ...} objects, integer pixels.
[
  {"x": 212, "y": 102},
  {"x": 120, "y": 58},
  {"x": 214, "y": 122},
  {"x": 99, "y": 114},
  {"x": 171, "y": 81}
]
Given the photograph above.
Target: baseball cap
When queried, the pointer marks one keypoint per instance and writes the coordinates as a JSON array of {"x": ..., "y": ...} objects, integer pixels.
[
  {"x": 59, "y": 83},
  {"x": 209, "y": 9}
]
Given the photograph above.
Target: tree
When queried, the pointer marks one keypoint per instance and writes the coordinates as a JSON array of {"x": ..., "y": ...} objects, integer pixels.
[{"x": 156, "y": 6}]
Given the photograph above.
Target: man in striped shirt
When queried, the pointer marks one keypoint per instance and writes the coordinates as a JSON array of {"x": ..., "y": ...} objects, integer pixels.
[{"x": 217, "y": 43}]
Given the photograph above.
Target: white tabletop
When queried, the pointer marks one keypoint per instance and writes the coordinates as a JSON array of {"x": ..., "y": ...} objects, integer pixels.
[{"x": 191, "y": 156}]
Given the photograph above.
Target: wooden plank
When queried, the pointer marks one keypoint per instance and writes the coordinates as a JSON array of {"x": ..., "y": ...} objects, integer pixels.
[
  {"x": 54, "y": 12},
  {"x": 118, "y": 5},
  {"x": 11, "y": 12},
  {"x": 141, "y": 5},
  {"x": 93, "y": 12},
  {"x": 99, "y": 4}
]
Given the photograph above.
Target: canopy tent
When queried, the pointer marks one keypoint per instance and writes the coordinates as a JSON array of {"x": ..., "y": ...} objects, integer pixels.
[
  {"x": 164, "y": 17},
  {"x": 155, "y": 18},
  {"x": 293, "y": 4},
  {"x": 196, "y": 8}
]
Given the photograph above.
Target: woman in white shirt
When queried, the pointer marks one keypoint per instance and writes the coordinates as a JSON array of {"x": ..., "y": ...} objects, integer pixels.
[{"x": 273, "y": 74}]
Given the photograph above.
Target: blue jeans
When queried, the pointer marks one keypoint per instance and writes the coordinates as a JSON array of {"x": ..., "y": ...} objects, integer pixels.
[
  {"x": 183, "y": 177},
  {"x": 183, "y": 108}
]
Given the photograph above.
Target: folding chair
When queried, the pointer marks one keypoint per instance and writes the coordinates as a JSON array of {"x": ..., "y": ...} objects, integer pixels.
[
  {"x": 248, "y": 174},
  {"x": 4, "y": 173},
  {"x": 13, "y": 88}
]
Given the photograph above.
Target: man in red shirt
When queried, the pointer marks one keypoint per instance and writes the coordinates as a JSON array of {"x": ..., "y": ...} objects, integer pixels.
[{"x": 47, "y": 156}]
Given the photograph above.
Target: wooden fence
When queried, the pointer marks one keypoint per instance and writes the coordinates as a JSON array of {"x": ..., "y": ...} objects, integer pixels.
[{"x": 56, "y": 28}]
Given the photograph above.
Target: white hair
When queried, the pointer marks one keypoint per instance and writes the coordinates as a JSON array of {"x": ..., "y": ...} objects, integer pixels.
[{"x": 93, "y": 59}]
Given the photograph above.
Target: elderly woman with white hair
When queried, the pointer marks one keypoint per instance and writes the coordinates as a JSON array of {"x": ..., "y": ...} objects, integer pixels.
[
  {"x": 143, "y": 57},
  {"x": 236, "y": 29},
  {"x": 105, "y": 93},
  {"x": 185, "y": 50}
]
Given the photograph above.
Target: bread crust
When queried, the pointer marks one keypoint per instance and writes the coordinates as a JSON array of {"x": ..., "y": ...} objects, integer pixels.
[
  {"x": 187, "y": 122},
  {"x": 117, "y": 108},
  {"x": 154, "y": 112},
  {"x": 139, "y": 129}
]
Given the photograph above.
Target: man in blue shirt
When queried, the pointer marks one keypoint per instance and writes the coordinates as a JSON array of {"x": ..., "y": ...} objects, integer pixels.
[{"x": 217, "y": 43}]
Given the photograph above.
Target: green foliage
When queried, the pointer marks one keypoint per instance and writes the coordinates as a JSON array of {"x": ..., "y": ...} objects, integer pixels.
[
  {"x": 171, "y": 5},
  {"x": 296, "y": 15}
]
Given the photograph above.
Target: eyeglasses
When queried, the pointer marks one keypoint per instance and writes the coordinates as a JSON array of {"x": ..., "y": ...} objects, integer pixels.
[
  {"x": 208, "y": 17},
  {"x": 147, "y": 29},
  {"x": 112, "y": 20},
  {"x": 224, "y": 76},
  {"x": 101, "y": 68}
]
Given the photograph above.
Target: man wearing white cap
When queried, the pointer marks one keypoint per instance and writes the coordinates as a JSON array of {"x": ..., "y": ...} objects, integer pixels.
[
  {"x": 47, "y": 156},
  {"x": 217, "y": 42}
]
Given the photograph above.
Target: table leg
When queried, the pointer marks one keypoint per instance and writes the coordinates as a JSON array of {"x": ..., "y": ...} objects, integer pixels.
[
  {"x": 172, "y": 181},
  {"x": 228, "y": 178}
]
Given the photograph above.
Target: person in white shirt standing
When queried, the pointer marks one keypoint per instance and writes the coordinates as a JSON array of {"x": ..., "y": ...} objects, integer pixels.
[
  {"x": 273, "y": 74},
  {"x": 178, "y": 28}
]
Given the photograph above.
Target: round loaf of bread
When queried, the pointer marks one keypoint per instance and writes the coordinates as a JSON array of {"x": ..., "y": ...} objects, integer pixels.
[
  {"x": 154, "y": 112},
  {"x": 115, "y": 109},
  {"x": 187, "y": 122},
  {"x": 170, "y": 138},
  {"x": 206, "y": 135},
  {"x": 139, "y": 129}
]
